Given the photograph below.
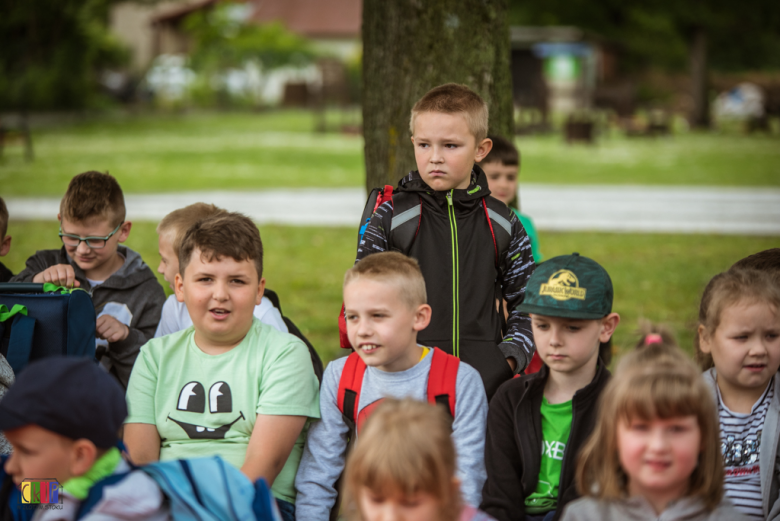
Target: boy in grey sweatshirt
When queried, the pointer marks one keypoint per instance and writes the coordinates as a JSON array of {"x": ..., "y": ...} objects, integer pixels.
[
  {"x": 127, "y": 297},
  {"x": 385, "y": 303}
]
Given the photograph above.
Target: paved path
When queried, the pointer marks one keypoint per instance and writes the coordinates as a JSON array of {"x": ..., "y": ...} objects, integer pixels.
[{"x": 754, "y": 211}]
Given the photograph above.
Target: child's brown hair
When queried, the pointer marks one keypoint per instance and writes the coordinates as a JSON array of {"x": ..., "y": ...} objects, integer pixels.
[
  {"x": 727, "y": 289},
  {"x": 393, "y": 268},
  {"x": 179, "y": 221},
  {"x": 3, "y": 218},
  {"x": 405, "y": 448},
  {"x": 452, "y": 98},
  {"x": 658, "y": 381},
  {"x": 503, "y": 152},
  {"x": 767, "y": 260},
  {"x": 650, "y": 334},
  {"x": 232, "y": 235},
  {"x": 93, "y": 195}
]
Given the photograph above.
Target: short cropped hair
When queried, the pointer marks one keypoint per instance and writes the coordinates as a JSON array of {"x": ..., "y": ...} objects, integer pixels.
[
  {"x": 658, "y": 381},
  {"x": 405, "y": 448},
  {"x": 179, "y": 221},
  {"x": 396, "y": 269},
  {"x": 93, "y": 195},
  {"x": 452, "y": 98},
  {"x": 503, "y": 151},
  {"x": 763, "y": 260},
  {"x": 3, "y": 218},
  {"x": 232, "y": 235}
]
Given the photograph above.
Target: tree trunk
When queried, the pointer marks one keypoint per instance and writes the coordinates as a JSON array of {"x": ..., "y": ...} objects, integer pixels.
[
  {"x": 700, "y": 112},
  {"x": 411, "y": 46}
]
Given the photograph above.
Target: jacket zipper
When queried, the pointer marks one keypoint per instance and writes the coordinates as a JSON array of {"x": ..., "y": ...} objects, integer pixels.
[{"x": 455, "y": 277}]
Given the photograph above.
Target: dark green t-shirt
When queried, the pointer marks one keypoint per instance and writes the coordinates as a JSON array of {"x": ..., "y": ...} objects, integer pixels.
[{"x": 556, "y": 426}]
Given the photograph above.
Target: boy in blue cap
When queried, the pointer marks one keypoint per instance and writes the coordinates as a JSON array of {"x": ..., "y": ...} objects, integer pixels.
[
  {"x": 569, "y": 300},
  {"x": 62, "y": 416}
]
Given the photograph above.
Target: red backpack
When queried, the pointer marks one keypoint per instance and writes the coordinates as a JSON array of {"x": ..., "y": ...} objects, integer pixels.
[{"x": 442, "y": 378}]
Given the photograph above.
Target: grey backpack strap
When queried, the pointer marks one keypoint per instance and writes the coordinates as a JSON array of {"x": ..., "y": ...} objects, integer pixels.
[
  {"x": 407, "y": 215},
  {"x": 500, "y": 216}
]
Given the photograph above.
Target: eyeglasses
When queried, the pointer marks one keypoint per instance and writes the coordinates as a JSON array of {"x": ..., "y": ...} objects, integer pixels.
[{"x": 68, "y": 239}]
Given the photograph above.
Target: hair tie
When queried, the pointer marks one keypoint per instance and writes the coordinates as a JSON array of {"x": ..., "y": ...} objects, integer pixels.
[{"x": 653, "y": 338}]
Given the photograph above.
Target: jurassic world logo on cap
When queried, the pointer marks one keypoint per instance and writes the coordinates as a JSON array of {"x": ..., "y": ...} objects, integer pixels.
[
  {"x": 563, "y": 285},
  {"x": 569, "y": 286}
]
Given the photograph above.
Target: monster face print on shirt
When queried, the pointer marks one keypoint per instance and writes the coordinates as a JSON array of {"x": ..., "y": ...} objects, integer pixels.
[{"x": 192, "y": 399}]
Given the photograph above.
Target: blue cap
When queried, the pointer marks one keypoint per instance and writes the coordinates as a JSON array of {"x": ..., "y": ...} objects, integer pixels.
[{"x": 70, "y": 396}]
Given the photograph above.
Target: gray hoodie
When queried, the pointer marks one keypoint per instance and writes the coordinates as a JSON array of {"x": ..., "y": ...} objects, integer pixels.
[
  {"x": 768, "y": 457},
  {"x": 131, "y": 294},
  {"x": 638, "y": 509}
]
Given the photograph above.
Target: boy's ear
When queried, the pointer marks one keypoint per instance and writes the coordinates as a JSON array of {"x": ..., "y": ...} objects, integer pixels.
[
  {"x": 260, "y": 291},
  {"x": 483, "y": 149},
  {"x": 178, "y": 287},
  {"x": 422, "y": 317},
  {"x": 5, "y": 247},
  {"x": 124, "y": 231},
  {"x": 705, "y": 345},
  {"x": 608, "y": 325},
  {"x": 83, "y": 455}
]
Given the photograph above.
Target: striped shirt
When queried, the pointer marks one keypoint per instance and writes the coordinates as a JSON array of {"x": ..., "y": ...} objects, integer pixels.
[{"x": 740, "y": 437}]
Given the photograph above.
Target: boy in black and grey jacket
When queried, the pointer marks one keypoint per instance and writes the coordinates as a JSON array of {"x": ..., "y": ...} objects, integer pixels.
[
  {"x": 569, "y": 299},
  {"x": 127, "y": 297},
  {"x": 472, "y": 250}
]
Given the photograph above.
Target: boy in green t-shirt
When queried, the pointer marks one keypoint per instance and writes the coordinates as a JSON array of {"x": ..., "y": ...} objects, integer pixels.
[
  {"x": 569, "y": 299},
  {"x": 229, "y": 385}
]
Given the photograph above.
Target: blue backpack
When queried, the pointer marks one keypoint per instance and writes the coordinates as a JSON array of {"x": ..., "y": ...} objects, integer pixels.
[
  {"x": 39, "y": 320},
  {"x": 201, "y": 489}
]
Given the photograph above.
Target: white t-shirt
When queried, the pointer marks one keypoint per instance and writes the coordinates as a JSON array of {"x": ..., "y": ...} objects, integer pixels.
[
  {"x": 175, "y": 317},
  {"x": 741, "y": 442}
]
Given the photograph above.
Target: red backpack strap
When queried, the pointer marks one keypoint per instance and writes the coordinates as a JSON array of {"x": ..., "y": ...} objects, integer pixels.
[
  {"x": 442, "y": 379},
  {"x": 492, "y": 233},
  {"x": 351, "y": 382},
  {"x": 386, "y": 195}
]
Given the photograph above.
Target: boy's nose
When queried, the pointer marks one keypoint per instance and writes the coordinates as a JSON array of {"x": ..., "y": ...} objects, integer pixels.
[{"x": 82, "y": 248}]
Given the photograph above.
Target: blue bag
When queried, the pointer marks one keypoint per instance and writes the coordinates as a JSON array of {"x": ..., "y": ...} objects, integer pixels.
[
  {"x": 43, "y": 322},
  {"x": 201, "y": 489}
]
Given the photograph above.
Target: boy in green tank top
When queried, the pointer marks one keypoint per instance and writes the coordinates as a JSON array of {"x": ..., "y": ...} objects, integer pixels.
[{"x": 569, "y": 300}]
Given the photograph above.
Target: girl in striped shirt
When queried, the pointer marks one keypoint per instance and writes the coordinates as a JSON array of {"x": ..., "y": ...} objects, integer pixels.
[{"x": 738, "y": 345}]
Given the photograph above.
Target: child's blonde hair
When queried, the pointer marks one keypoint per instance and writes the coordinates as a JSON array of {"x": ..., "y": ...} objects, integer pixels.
[
  {"x": 658, "y": 381},
  {"x": 727, "y": 289},
  {"x": 405, "y": 448},
  {"x": 179, "y": 221},
  {"x": 393, "y": 268},
  {"x": 452, "y": 98}
]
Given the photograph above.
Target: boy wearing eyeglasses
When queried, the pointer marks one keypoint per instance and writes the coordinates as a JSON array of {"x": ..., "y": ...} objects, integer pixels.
[{"x": 127, "y": 297}]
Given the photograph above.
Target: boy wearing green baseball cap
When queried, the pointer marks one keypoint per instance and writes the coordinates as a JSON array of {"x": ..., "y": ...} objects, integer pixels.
[{"x": 569, "y": 300}]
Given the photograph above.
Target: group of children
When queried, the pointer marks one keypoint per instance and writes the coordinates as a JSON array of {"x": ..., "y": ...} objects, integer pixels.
[{"x": 445, "y": 305}]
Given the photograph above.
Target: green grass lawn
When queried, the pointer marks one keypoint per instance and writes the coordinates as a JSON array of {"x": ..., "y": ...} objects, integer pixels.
[
  {"x": 201, "y": 151},
  {"x": 656, "y": 276}
]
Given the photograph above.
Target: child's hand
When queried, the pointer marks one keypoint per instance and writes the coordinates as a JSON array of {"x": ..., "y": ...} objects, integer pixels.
[
  {"x": 59, "y": 274},
  {"x": 512, "y": 364},
  {"x": 110, "y": 329}
]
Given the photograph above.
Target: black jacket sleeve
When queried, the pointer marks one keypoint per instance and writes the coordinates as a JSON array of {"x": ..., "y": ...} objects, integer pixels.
[
  {"x": 377, "y": 235},
  {"x": 518, "y": 265},
  {"x": 503, "y": 496}
]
